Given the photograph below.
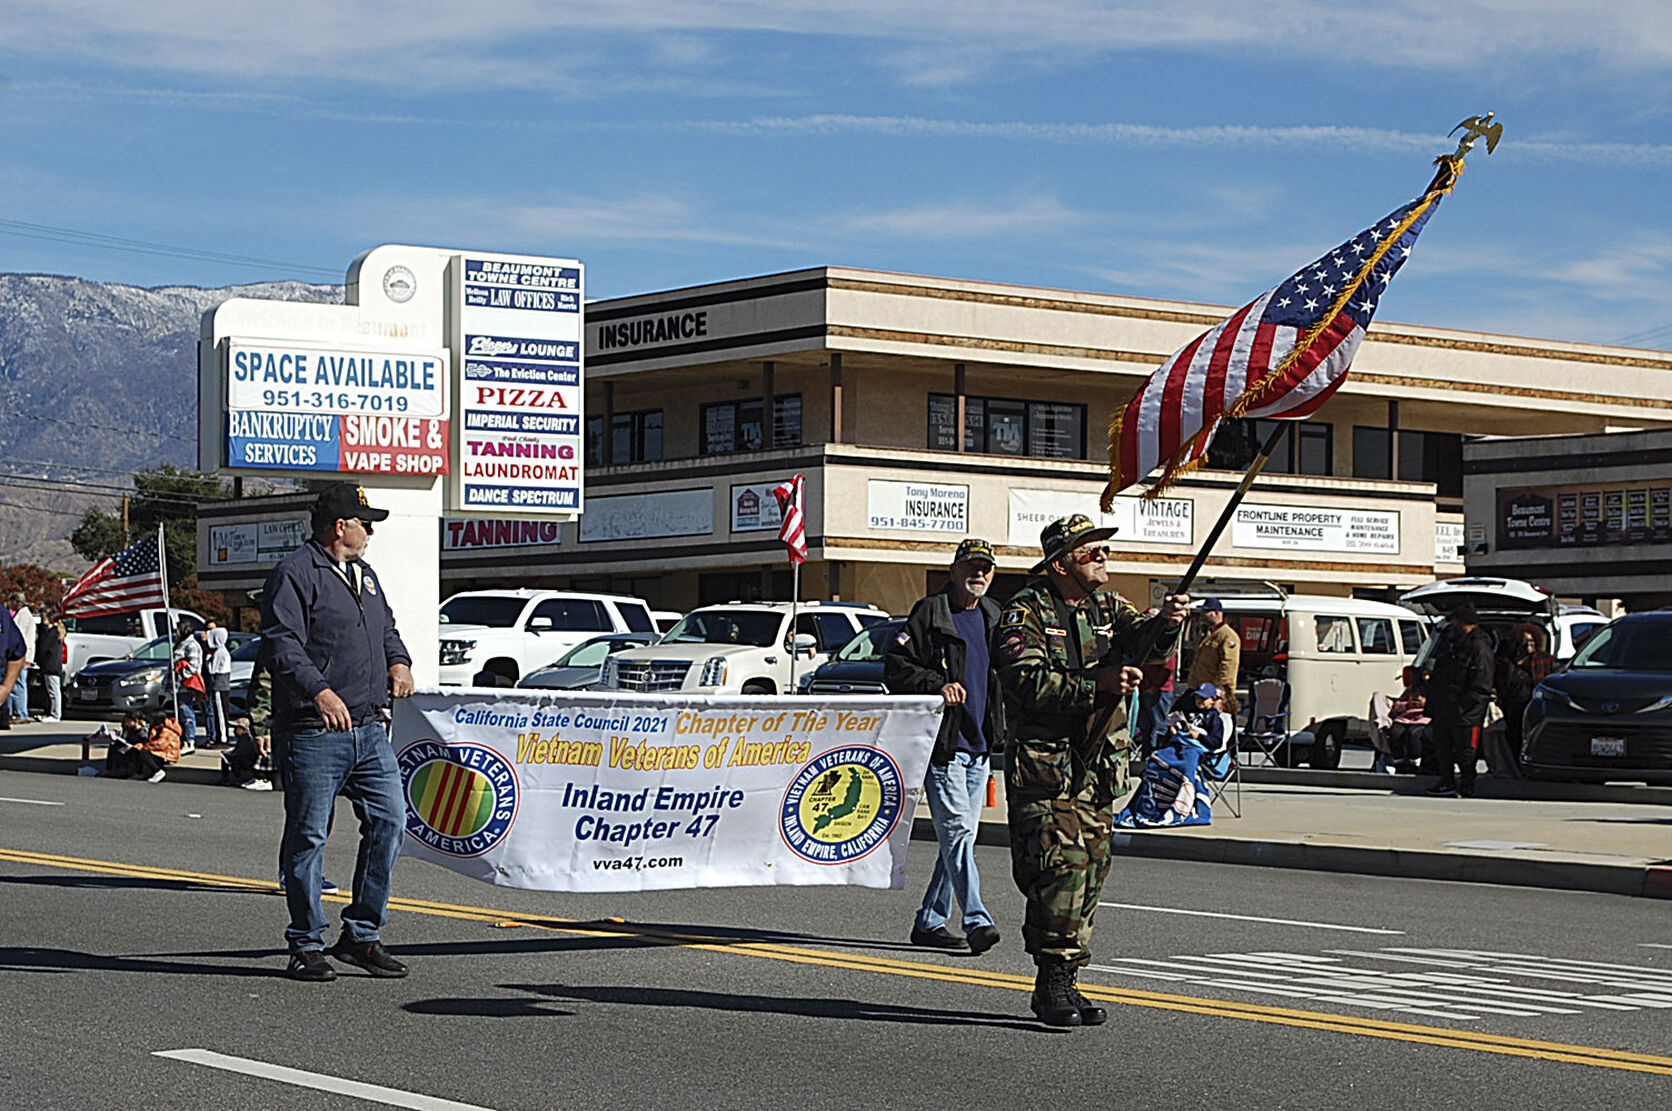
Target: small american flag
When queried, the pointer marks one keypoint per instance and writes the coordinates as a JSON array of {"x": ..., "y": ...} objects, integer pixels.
[
  {"x": 129, "y": 580},
  {"x": 1280, "y": 357},
  {"x": 793, "y": 531}
]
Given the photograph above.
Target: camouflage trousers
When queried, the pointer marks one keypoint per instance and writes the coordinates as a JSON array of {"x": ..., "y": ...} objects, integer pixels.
[{"x": 1060, "y": 849}]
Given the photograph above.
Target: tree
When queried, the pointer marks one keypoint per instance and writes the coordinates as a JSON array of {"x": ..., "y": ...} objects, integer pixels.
[
  {"x": 43, "y": 588},
  {"x": 166, "y": 496}
]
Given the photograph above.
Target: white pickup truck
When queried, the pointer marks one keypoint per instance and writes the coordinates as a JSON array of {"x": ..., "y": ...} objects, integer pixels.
[
  {"x": 514, "y": 632},
  {"x": 111, "y": 636}
]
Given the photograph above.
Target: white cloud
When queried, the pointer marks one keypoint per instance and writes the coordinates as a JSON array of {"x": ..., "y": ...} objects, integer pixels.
[{"x": 533, "y": 43}]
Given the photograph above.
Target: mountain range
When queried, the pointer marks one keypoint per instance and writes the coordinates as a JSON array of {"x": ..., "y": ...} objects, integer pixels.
[{"x": 96, "y": 381}]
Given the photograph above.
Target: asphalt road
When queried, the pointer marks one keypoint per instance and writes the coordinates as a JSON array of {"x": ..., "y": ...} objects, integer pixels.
[{"x": 139, "y": 920}]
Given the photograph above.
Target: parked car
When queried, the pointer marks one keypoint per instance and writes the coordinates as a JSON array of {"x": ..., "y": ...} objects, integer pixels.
[
  {"x": 665, "y": 619},
  {"x": 138, "y": 681},
  {"x": 112, "y": 636},
  {"x": 581, "y": 666},
  {"x": 856, "y": 668},
  {"x": 1608, "y": 714},
  {"x": 1333, "y": 652},
  {"x": 512, "y": 632},
  {"x": 1501, "y": 604},
  {"x": 740, "y": 647}
]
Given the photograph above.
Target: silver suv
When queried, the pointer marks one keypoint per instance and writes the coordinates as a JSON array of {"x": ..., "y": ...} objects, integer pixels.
[{"x": 740, "y": 648}]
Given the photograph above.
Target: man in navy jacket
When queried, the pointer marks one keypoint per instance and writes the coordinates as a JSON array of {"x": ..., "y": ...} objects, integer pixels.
[
  {"x": 944, "y": 649},
  {"x": 335, "y": 658}
]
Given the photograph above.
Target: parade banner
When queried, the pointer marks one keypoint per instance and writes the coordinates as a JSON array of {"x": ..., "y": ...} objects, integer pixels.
[{"x": 607, "y": 791}]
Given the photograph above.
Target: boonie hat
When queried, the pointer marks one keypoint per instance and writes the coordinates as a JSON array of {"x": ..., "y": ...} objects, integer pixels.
[
  {"x": 342, "y": 500},
  {"x": 1062, "y": 536},
  {"x": 973, "y": 547},
  {"x": 1208, "y": 690}
]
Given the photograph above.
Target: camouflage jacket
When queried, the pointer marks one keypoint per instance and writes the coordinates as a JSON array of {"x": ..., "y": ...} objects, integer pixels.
[{"x": 1048, "y": 651}]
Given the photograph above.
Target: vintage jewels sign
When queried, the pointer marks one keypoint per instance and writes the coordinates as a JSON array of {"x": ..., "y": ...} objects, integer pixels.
[{"x": 583, "y": 791}]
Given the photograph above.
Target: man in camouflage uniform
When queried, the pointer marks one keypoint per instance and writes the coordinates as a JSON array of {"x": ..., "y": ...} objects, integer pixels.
[{"x": 1066, "y": 656}]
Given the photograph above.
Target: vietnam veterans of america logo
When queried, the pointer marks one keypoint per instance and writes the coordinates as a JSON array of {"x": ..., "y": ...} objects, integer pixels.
[
  {"x": 841, "y": 805},
  {"x": 461, "y": 799}
]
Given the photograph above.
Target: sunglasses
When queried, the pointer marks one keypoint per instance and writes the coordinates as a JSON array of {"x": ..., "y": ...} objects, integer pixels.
[{"x": 1092, "y": 555}]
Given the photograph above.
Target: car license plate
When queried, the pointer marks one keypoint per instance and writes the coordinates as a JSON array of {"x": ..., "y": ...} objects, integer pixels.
[
  {"x": 87, "y": 695},
  {"x": 1608, "y": 746}
]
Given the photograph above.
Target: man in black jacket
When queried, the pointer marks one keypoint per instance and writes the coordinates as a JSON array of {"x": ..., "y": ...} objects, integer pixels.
[
  {"x": 335, "y": 658},
  {"x": 945, "y": 649},
  {"x": 1459, "y": 692}
]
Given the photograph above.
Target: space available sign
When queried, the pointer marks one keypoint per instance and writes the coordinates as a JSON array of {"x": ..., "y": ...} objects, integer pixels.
[
  {"x": 1162, "y": 521},
  {"x": 584, "y": 791},
  {"x": 755, "y": 507},
  {"x": 293, "y": 406},
  {"x": 520, "y": 406},
  {"x": 1309, "y": 528},
  {"x": 918, "y": 506}
]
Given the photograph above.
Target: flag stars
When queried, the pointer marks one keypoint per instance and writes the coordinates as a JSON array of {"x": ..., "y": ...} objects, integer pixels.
[{"x": 1311, "y": 304}]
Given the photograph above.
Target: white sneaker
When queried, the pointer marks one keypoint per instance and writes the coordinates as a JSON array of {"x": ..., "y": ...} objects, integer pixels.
[
  {"x": 257, "y": 785},
  {"x": 50, "y": 721},
  {"x": 158, "y": 776}
]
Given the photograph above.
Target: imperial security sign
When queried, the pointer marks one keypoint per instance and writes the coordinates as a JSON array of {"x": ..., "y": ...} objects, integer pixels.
[{"x": 520, "y": 409}]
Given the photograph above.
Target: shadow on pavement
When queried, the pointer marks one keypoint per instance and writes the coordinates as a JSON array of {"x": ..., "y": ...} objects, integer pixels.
[
  {"x": 845, "y": 1009},
  {"x": 23, "y": 959}
]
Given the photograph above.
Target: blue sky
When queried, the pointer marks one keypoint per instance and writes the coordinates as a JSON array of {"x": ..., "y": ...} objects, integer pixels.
[{"x": 1199, "y": 149}]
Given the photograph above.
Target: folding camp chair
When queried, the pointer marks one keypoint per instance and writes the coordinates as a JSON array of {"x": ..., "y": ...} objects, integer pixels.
[
  {"x": 1268, "y": 720},
  {"x": 1222, "y": 771}
]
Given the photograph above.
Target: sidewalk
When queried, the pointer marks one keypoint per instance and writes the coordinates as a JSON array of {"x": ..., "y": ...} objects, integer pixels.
[{"x": 1615, "y": 839}]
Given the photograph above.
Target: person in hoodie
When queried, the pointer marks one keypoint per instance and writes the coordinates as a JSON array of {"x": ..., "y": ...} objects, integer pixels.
[
  {"x": 1459, "y": 693},
  {"x": 944, "y": 650}
]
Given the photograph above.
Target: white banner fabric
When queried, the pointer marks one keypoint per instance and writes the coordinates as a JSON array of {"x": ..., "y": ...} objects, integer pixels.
[{"x": 602, "y": 791}]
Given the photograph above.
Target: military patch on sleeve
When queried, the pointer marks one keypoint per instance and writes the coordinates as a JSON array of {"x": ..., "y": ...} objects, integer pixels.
[
  {"x": 903, "y": 639},
  {"x": 1015, "y": 615},
  {"x": 1053, "y": 631},
  {"x": 1011, "y": 645}
]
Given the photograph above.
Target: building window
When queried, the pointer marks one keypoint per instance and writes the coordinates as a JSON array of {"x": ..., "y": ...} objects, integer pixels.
[
  {"x": 1008, "y": 426},
  {"x": 1435, "y": 457},
  {"x": 1307, "y": 448},
  {"x": 635, "y": 437},
  {"x": 740, "y": 425}
]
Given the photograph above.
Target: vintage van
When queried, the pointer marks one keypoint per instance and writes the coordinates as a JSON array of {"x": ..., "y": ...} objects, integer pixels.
[{"x": 1334, "y": 653}]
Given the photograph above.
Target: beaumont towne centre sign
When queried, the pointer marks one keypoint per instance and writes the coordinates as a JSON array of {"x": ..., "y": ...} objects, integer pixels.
[{"x": 452, "y": 364}]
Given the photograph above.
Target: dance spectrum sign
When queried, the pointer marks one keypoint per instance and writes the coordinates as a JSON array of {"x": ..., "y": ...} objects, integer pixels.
[{"x": 606, "y": 791}]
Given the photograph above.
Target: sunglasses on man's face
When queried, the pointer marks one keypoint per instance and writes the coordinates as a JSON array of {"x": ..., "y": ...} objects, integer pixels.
[{"x": 1091, "y": 555}]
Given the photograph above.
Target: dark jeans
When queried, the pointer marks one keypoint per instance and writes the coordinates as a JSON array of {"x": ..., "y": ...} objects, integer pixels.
[
  {"x": 316, "y": 766},
  {"x": 1456, "y": 746},
  {"x": 1150, "y": 730}
]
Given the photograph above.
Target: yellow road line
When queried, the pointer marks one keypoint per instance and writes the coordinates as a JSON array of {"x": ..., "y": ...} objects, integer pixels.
[{"x": 1595, "y": 1056}]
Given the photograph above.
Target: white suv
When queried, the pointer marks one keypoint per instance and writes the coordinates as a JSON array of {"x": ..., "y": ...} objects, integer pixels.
[
  {"x": 513, "y": 632},
  {"x": 739, "y": 648}
]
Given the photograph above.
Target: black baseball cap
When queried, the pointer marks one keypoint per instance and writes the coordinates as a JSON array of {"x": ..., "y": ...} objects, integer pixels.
[{"x": 342, "y": 500}]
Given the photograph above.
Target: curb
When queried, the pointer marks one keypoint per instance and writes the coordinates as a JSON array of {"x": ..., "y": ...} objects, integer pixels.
[
  {"x": 1533, "y": 790},
  {"x": 1651, "y": 881}
]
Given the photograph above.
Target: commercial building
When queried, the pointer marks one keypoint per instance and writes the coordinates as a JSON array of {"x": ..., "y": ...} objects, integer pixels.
[{"x": 923, "y": 409}]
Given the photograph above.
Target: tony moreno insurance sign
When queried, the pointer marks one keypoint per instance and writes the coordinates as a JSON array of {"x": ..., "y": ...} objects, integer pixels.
[{"x": 292, "y": 406}]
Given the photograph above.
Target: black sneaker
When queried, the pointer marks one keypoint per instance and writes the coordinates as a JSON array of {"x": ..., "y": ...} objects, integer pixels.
[
  {"x": 938, "y": 938},
  {"x": 982, "y": 938},
  {"x": 369, "y": 955},
  {"x": 310, "y": 965},
  {"x": 1442, "y": 790}
]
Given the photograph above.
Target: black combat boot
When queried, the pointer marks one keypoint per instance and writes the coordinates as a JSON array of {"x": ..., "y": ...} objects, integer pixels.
[
  {"x": 1052, "y": 998},
  {"x": 1090, "y": 1013}
]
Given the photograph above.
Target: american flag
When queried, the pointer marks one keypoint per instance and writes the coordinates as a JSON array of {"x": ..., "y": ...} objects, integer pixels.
[
  {"x": 129, "y": 580},
  {"x": 793, "y": 531},
  {"x": 1279, "y": 357}
]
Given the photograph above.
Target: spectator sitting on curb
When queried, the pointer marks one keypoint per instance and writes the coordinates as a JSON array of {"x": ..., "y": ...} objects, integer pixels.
[{"x": 250, "y": 763}]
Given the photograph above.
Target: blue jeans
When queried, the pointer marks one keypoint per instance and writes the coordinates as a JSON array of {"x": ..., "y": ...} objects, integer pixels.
[
  {"x": 18, "y": 700},
  {"x": 1151, "y": 726},
  {"x": 316, "y": 766},
  {"x": 955, "y": 792}
]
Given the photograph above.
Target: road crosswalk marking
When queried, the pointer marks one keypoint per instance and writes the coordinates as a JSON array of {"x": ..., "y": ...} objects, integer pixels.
[{"x": 1439, "y": 983}]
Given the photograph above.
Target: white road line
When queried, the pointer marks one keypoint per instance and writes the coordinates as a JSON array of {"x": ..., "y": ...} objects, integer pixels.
[
  {"x": 376, "y": 1093},
  {"x": 31, "y": 802},
  {"x": 1252, "y": 918},
  {"x": 1653, "y": 945}
]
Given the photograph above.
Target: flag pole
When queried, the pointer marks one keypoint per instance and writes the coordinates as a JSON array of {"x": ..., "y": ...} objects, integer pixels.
[
  {"x": 1231, "y": 504},
  {"x": 168, "y": 618},
  {"x": 795, "y": 599}
]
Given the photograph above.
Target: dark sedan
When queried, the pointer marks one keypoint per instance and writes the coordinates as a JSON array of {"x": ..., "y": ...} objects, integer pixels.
[
  {"x": 136, "y": 682},
  {"x": 1608, "y": 714},
  {"x": 580, "y": 667},
  {"x": 857, "y": 667}
]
